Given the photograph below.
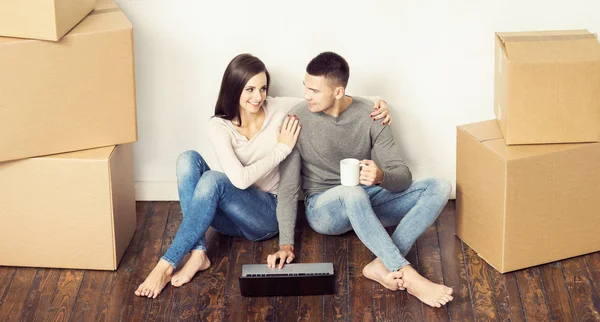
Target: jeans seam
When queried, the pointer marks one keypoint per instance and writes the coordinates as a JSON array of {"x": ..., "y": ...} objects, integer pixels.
[{"x": 268, "y": 235}]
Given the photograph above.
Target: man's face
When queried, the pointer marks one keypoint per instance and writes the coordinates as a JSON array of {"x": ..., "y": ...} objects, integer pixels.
[{"x": 319, "y": 92}]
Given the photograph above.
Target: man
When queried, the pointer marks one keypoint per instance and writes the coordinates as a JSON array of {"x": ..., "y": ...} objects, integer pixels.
[{"x": 334, "y": 129}]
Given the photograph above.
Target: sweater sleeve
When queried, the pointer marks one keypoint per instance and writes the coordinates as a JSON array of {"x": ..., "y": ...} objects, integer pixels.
[
  {"x": 386, "y": 154},
  {"x": 242, "y": 176},
  {"x": 287, "y": 197}
]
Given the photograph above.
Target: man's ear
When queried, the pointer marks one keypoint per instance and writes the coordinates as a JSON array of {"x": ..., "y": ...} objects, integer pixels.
[{"x": 339, "y": 92}]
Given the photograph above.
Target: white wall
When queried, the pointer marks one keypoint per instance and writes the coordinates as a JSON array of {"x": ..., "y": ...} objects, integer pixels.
[{"x": 431, "y": 60}]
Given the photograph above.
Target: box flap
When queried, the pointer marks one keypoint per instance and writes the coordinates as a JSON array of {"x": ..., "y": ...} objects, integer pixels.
[
  {"x": 101, "y": 154},
  {"x": 112, "y": 19},
  {"x": 550, "y": 46},
  {"x": 104, "y": 5},
  {"x": 513, "y": 152},
  {"x": 107, "y": 19},
  {"x": 488, "y": 133},
  {"x": 483, "y": 131}
]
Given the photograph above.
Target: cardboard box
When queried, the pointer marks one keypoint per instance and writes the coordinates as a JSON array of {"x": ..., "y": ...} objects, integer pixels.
[
  {"x": 74, "y": 94},
  {"x": 73, "y": 210},
  {"x": 547, "y": 86},
  {"x": 520, "y": 206},
  {"x": 104, "y": 5},
  {"x": 41, "y": 19}
]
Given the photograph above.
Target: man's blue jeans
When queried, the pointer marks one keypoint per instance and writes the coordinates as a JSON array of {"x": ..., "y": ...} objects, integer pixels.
[
  {"x": 368, "y": 209},
  {"x": 208, "y": 198}
]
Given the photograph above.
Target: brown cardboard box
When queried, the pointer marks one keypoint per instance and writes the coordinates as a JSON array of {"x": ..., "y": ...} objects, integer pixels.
[
  {"x": 74, "y": 94},
  {"x": 103, "y": 5},
  {"x": 520, "y": 206},
  {"x": 547, "y": 86},
  {"x": 73, "y": 210},
  {"x": 41, "y": 19}
]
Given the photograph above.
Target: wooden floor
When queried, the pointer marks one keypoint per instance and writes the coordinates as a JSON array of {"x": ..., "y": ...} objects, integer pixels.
[{"x": 563, "y": 291}]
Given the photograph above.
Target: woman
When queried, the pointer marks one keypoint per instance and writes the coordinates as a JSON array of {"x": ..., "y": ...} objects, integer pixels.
[{"x": 249, "y": 145}]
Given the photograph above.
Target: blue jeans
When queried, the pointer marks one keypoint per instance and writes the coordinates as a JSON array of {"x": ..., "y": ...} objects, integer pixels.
[
  {"x": 208, "y": 198},
  {"x": 369, "y": 209}
]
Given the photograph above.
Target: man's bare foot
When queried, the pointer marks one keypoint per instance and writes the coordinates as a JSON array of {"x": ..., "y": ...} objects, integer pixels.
[
  {"x": 197, "y": 262},
  {"x": 156, "y": 280},
  {"x": 432, "y": 294},
  {"x": 376, "y": 271}
]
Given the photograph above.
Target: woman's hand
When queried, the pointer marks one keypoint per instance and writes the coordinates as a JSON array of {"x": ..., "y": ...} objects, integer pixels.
[
  {"x": 380, "y": 110},
  {"x": 288, "y": 135}
]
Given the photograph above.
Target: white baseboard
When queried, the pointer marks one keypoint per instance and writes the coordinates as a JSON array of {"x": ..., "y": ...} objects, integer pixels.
[
  {"x": 156, "y": 191},
  {"x": 167, "y": 191}
]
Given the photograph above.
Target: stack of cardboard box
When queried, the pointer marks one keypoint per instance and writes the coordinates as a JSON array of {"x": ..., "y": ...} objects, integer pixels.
[
  {"x": 67, "y": 114},
  {"x": 528, "y": 187}
]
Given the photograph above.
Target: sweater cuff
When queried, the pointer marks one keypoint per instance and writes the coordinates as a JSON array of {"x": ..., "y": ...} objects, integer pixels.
[{"x": 285, "y": 240}]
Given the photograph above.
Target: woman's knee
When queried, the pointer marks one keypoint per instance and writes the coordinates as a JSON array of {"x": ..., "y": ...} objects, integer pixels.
[
  {"x": 190, "y": 161},
  {"x": 211, "y": 181}
]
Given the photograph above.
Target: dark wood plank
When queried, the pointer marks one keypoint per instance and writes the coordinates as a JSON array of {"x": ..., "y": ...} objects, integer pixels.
[
  {"x": 384, "y": 300},
  {"x": 593, "y": 265},
  {"x": 430, "y": 266},
  {"x": 285, "y": 308},
  {"x": 580, "y": 289},
  {"x": 310, "y": 308},
  {"x": 16, "y": 293},
  {"x": 190, "y": 299},
  {"x": 557, "y": 294},
  {"x": 161, "y": 307},
  {"x": 384, "y": 303},
  {"x": 40, "y": 296},
  {"x": 137, "y": 307},
  {"x": 216, "y": 282},
  {"x": 507, "y": 296},
  {"x": 261, "y": 308},
  {"x": 410, "y": 307},
  {"x": 453, "y": 266},
  {"x": 236, "y": 305},
  {"x": 335, "y": 307},
  {"x": 482, "y": 296},
  {"x": 90, "y": 293},
  {"x": 64, "y": 297},
  {"x": 531, "y": 289},
  {"x": 6, "y": 276},
  {"x": 115, "y": 295},
  {"x": 361, "y": 301}
]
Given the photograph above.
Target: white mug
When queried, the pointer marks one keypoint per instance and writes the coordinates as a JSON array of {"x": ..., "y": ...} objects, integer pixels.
[{"x": 350, "y": 172}]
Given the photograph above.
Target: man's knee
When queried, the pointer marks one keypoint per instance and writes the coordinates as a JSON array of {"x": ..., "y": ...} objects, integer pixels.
[
  {"x": 352, "y": 195},
  {"x": 439, "y": 187},
  {"x": 329, "y": 223}
]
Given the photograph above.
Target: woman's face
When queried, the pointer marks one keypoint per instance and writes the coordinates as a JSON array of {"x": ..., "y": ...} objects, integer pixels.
[{"x": 254, "y": 93}]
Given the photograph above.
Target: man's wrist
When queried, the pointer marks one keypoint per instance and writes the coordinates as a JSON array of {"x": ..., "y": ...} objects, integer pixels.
[
  {"x": 287, "y": 247},
  {"x": 379, "y": 178}
]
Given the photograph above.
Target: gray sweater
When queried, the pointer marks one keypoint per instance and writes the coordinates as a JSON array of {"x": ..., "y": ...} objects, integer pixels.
[{"x": 314, "y": 163}]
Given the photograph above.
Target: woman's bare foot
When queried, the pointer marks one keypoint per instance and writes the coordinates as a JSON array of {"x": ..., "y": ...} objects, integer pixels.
[
  {"x": 156, "y": 280},
  {"x": 197, "y": 262},
  {"x": 376, "y": 271},
  {"x": 432, "y": 294}
]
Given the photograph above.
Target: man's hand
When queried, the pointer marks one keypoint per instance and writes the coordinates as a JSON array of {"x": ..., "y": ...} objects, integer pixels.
[
  {"x": 285, "y": 256},
  {"x": 370, "y": 174},
  {"x": 380, "y": 110}
]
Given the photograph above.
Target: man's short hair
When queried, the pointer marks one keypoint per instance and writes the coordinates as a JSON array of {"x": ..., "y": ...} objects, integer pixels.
[{"x": 330, "y": 65}]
